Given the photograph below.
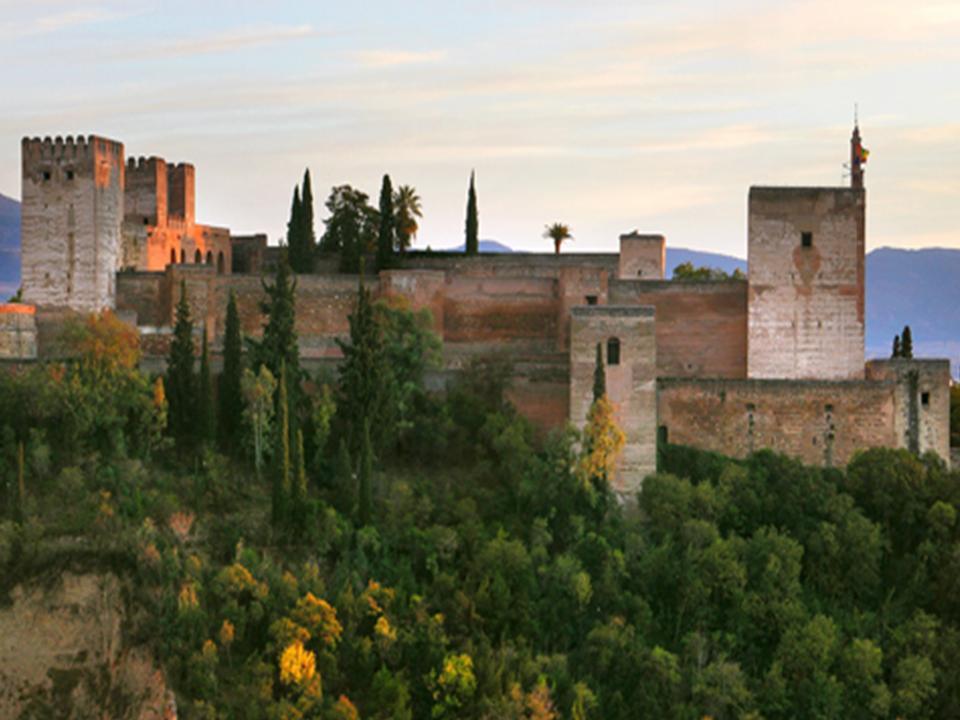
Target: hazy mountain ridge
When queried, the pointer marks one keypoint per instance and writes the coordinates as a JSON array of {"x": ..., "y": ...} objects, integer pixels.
[{"x": 9, "y": 246}]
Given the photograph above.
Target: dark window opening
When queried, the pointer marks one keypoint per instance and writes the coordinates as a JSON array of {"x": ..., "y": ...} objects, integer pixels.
[
  {"x": 46, "y": 174},
  {"x": 806, "y": 239},
  {"x": 173, "y": 256},
  {"x": 639, "y": 273},
  {"x": 925, "y": 398},
  {"x": 197, "y": 257},
  {"x": 220, "y": 263},
  {"x": 828, "y": 408},
  {"x": 183, "y": 256},
  {"x": 751, "y": 407},
  {"x": 663, "y": 434},
  {"x": 146, "y": 221},
  {"x": 613, "y": 351},
  {"x": 591, "y": 299},
  {"x": 69, "y": 174},
  {"x": 209, "y": 258}
]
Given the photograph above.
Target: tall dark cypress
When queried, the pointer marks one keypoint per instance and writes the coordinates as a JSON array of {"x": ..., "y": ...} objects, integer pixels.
[
  {"x": 906, "y": 343},
  {"x": 306, "y": 221},
  {"x": 599, "y": 376},
  {"x": 363, "y": 382},
  {"x": 280, "y": 496},
  {"x": 387, "y": 237},
  {"x": 206, "y": 415},
  {"x": 472, "y": 246},
  {"x": 897, "y": 350},
  {"x": 279, "y": 348},
  {"x": 365, "y": 490},
  {"x": 180, "y": 383},
  {"x": 295, "y": 229},
  {"x": 230, "y": 396}
]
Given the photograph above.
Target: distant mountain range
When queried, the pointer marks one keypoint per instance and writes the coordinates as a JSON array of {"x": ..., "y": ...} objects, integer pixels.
[
  {"x": 916, "y": 287},
  {"x": 9, "y": 246}
]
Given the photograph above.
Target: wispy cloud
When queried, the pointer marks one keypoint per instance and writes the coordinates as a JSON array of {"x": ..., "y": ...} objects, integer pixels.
[
  {"x": 233, "y": 40},
  {"x": 393, "y": 58},
  {"x": 52, "y": 22}
]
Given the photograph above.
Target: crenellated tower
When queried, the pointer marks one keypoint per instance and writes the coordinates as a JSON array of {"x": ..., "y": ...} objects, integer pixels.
[{"x": 72, "y": 208}]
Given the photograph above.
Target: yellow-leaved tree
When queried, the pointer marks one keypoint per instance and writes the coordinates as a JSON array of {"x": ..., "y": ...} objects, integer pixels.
[{"x": 603, "y": 441}]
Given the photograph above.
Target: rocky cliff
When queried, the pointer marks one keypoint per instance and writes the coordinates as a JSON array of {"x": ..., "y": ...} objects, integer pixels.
[{"x": 63, "y": 655}]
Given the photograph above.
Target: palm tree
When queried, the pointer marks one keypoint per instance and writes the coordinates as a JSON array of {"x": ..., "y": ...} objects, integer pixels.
[
  {"x": 406, "y": 206},
  {"x": 559, "y": 232}
]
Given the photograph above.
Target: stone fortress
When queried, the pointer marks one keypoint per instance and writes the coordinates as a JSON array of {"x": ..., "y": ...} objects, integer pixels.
[{"x": 774, "y": 360}]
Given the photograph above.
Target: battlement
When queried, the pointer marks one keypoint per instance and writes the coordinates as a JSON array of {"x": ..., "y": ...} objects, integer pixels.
[{"x": 71, "y": 148}]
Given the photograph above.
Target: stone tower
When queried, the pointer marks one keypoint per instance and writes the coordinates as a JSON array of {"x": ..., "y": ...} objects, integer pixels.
[
  {"x": 805, "y": 316},
  {"x": 72, "y": 208}
]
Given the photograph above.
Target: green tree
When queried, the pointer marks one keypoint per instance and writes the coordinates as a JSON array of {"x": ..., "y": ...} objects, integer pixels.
[
  {"x": 206, "y": 412},
  {"x": 897, "y": 350},
  {"x": 351, "y": 227},
  {"x": 406, "y": 203},
  {"x": 687, "y": 271},
  {"x": 258, "y": 395},
  {"x": 599, "y": 376},
  {"x": 230, "y": 394},
  {"x": 281, "y": 492},
  {"x": 364, "y": 382},
  {"x": 345, "y": 498},
  {"x": 308, "y": 237},
  {"x": 559, "y": 233},
  {"x": 180, "y": 382},
  {"x": 279, "y": 348},
  {"x": 906, "y": 343},
  {"x": 365, "y": 480},
  {"x": 386, "y": 237},
  {"x": 295, "y": 228},
  {"x": 472, "y": 246}
]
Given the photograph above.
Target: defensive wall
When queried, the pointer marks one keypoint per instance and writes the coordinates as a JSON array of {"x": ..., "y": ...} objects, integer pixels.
[{"x": 774, "y": 360}]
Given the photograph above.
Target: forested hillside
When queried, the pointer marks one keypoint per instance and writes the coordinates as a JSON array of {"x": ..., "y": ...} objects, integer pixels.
[{"x": 351, "y": 546}]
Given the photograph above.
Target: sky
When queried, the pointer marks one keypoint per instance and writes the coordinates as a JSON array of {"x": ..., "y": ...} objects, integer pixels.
[{"x": 606, "y": 116}]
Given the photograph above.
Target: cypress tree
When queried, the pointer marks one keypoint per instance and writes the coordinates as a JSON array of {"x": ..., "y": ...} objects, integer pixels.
[
  {"x": 472, "y": 246},
  {"x": 206, "y": 415},
  {"x": 295, "y": 229},
  {"x": 897, "y": 350},
  {"x": 299, "y": 503},
  {"x": 281, "y": 481},
  {"x": 365, "y": 490},
  {"x": 308, "y": 234},
  {"x": 906, "y": 343},
  {"x": 599, "y": 376},
  {"x": 21, "y": 501},
  {"x": 387, "y": 236},
  {"x": 278, "y": 348},
  {"x": 180, "y": 383},
  {"x": 364, "y": 382},
  {"x": 230, "y": 395},
  {"x": 346, "y": 481}
]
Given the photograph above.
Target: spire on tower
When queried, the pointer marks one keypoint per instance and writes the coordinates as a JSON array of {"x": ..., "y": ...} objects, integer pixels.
[{"x": 858, "y": 154}]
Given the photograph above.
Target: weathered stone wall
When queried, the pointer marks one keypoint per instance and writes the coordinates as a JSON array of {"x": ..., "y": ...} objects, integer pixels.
[
  {"x": 820, "y": 422},
  {"x": 701, "y": 326},
  {"x": 145, "y": 194},
  {"x": 631, "y": 383},
  {"x": 18, "y": 332},
  {"x": 72, "y": 205},
  {"x": 922, "y": 412},
  {"x": 642, "y": 256},
  {"x": 806, "y": 302},
  {"x": 518, "y": 264},
  {"x": 181, "y": 192}
]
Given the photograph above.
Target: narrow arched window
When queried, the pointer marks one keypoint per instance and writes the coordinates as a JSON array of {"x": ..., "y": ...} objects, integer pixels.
[
  {"x": 220, "y": 263},
  {"x": 198, "y": 257},
  {"x": 183, "y": 256},
  {"x": 173, "y": 256},
  {"x": 209, "y": 257},
  {"x": 613, "y": 351}
]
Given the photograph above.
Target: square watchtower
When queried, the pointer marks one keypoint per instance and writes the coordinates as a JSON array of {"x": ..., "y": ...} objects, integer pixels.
[{"x": 72, "y": 208}]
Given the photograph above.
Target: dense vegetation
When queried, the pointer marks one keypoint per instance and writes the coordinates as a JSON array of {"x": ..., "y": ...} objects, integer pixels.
[{"x": 396, "y": 554}]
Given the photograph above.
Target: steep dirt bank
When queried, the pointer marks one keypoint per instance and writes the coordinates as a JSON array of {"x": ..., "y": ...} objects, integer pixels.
[{"x": 62, "y": 655}]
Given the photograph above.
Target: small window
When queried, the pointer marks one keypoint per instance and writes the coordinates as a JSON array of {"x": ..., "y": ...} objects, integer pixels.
[
  {"x": 209, "y": 257},
  {"x": 828, "y": 408},
  {"x": 146, "y": 221},
  {"x": 639, "y": 273},
  {"x": 613, "y": 351},
  {"x": 591, "y": 299},
  {"x": 806, "y": 239},
  {"x": 751, "y": 407},
  {"x": 69, "y": 174},
  {"x": 183, "y": 256},
  {"x": 925, "y": 398},
  {"x": 197, "y": 257},
  {"x": 46, "y": 175},
  {"x": 663, "y": 435},
  {"x": 173, "y": 256}
]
